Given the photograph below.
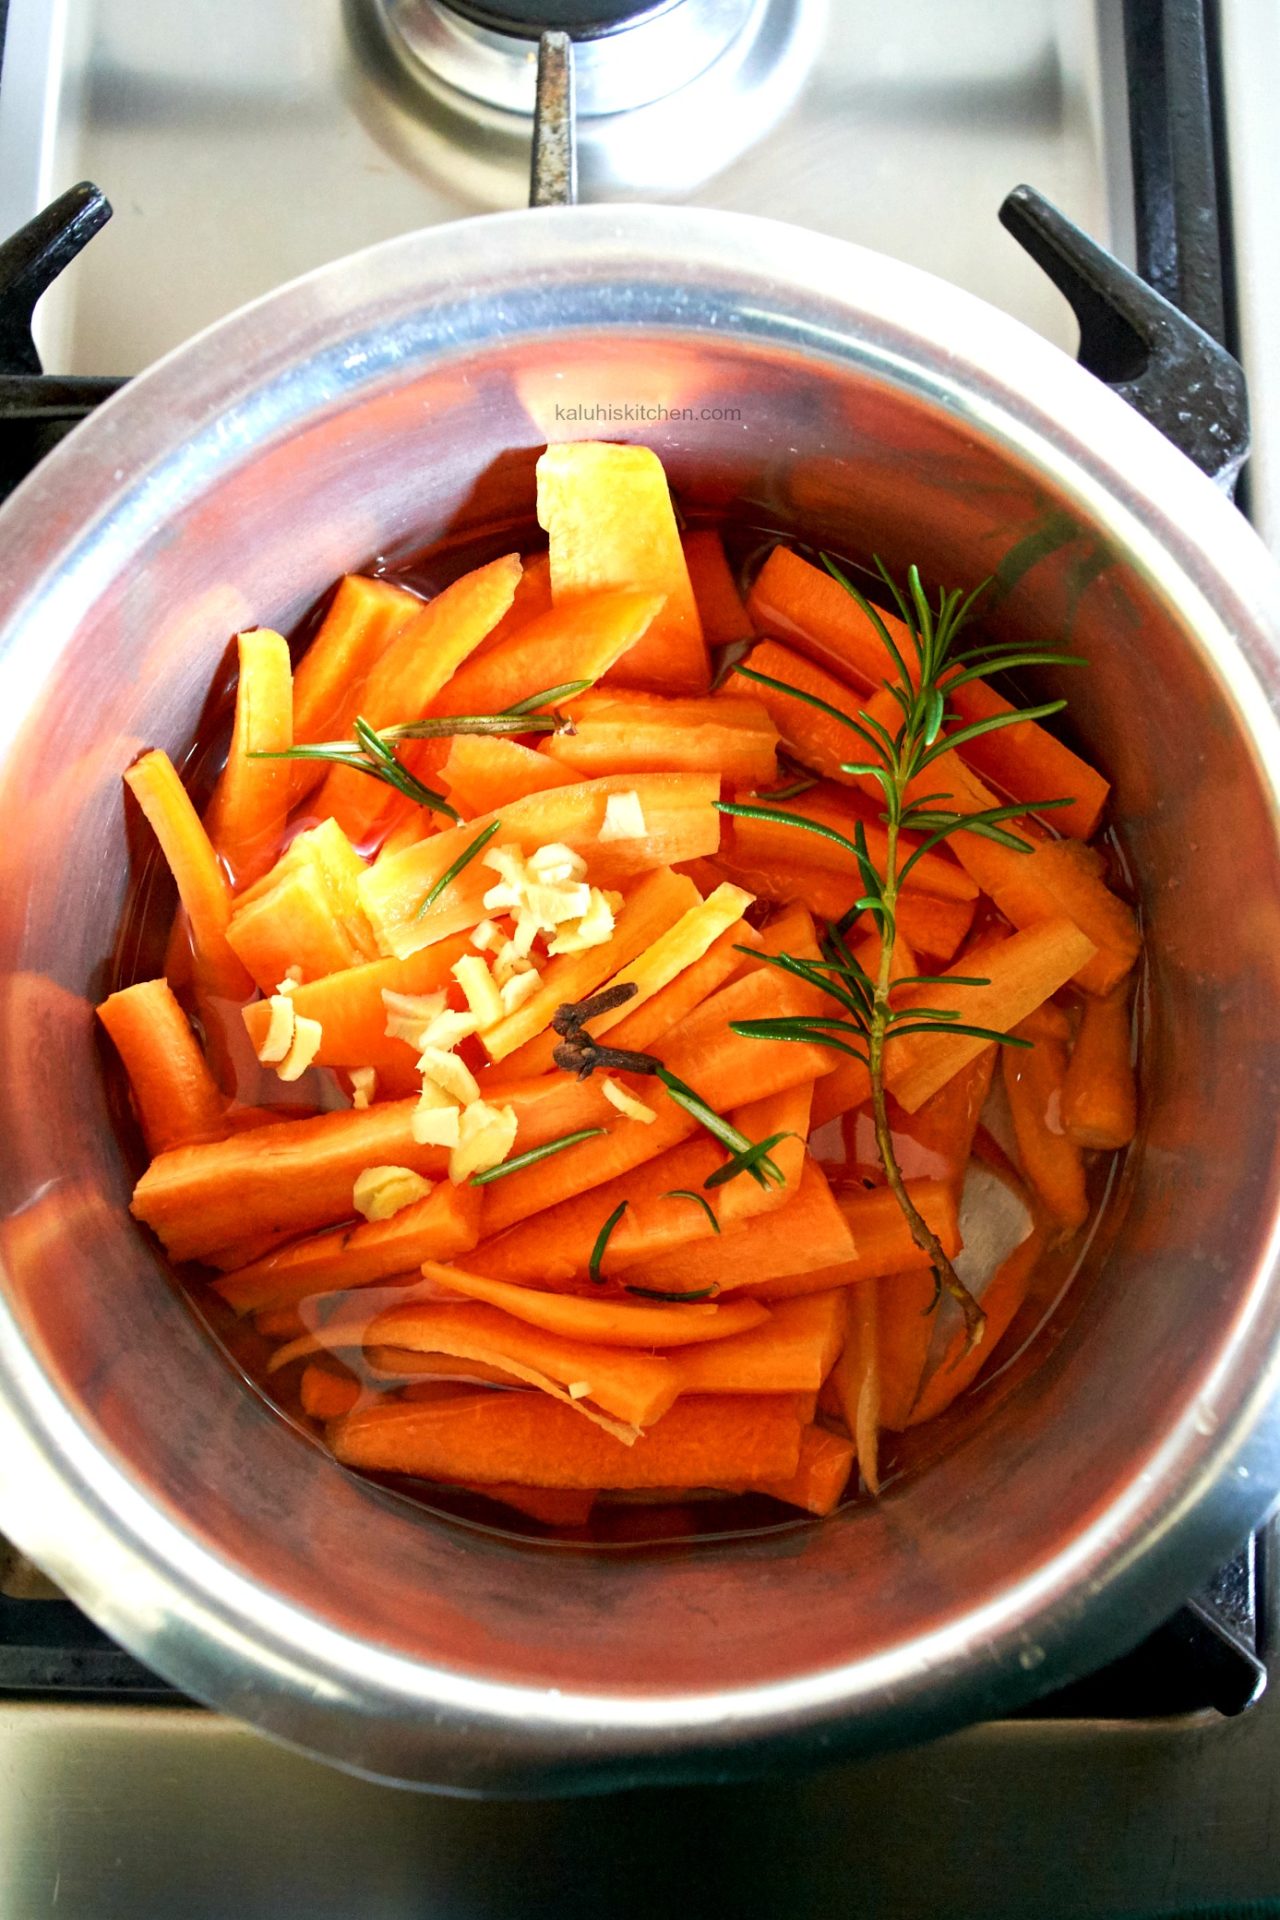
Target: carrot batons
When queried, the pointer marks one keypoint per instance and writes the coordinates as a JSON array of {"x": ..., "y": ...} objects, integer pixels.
[
  {"x": 768, "y": 841},
  {"x": 177, "y": 1099},
  {"x": 1052, "y": 1162},
  {"x": 857, "y": 1383},
  {"x": 492, "y": 1437},
  {"x": 1001, "y": 1298},
  {"x": 724, "y": 617},
  {"x": 1061, "y": 877},
  {"x": 610, "y": 523},
  {"x": 793, "y": 1352},
  {"x": 821, "y": 1476},
  {"x": 613, "y": 1323},
  {"x": 639, "y": 1029},
  {"x": 1099, "y": 1096},
  {"x": 306, "y": 912},
  {"x": 817, "y": 739},
  {"x": 532, "y": 599},
  {"x": 904, "y": 1328},
  {"x": 482, "y": 774},
  {"x": 251, "y": 800},
  {"x": 441, "y": 1226},
  {"x": 809, "y": 1233},
  {"x": 289, "y": 1178},
  {"x": 881, "y": 1239},
  {"x": 649, "y": 733},
  {"x": 202, "y": 884},
  {"x": 364, "y": 617},
  {"x": 578, "y": 639},
  {"x": 932, "y": 926},
  {"x": 352, "y": 1012},
  {"x": 326, "y": 1394}
]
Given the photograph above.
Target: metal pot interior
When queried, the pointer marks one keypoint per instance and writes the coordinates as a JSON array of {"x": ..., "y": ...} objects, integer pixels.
[{"x": 229, "y": 1550}]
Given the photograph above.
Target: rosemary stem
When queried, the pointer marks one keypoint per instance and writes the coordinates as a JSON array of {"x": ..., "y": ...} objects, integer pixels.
[{"x": 975, "y": 1320}]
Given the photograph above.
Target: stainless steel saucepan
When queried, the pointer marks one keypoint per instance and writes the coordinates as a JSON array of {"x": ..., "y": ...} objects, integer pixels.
[{"x": 794, "y": 383}]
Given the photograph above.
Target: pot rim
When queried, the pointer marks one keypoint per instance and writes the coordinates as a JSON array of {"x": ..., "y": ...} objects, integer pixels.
[{"x": 359, "y": 325}]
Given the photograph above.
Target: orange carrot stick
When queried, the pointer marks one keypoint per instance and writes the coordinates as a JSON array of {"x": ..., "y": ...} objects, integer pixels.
[
  {"x": 247, "y": 813},
  {"x": 202, "y": 884},
  {"x": 364, "y": 617},
  {"x": 325, "y": 1393},
  {"x": 649, "y": 733},
  {"x": 439, "y": 1227},
  {"x": 857, "y": 1382},
  {"x": 724, "y": 618},
  {"x": 484, "y": 774},
  {"x": 177, "y": 1099},
  {"x": 1001, "y": 1298},
  {"x": 419, "y": 1372},
  {"x": 808, "y": 1233},
  {"x": 881, "y": 1237},
  {"x": 768, "y": 842},
  {"x": 290, "y": 1178},
  {"x": 579, "y": 639},
  {"x": 549, "y": 1506},
  {"x": 1052, "y": 1162},
  {"x": 934, "y": 927},
  {"x": 818, "y": 1483},
  {"x": 792, "y": 1353},
  {"x": 279, "y": 1323},
  {"x": 1099, "y": 1096},
  {"x": 613, "y": 1323},
  {"x": 721, "y": 963},
  {"x": 294, "y": 925},
  {"x": 904, "y": 1328},
  {"x": 933, "y": 1143},
  {"x": 352, "y": 1012},
  {"x": 610, "y": 523},
  {"x": 492, "y": 1437},
  {"x": 815, "y": 739},
  {"x": 532, "y": 600}
]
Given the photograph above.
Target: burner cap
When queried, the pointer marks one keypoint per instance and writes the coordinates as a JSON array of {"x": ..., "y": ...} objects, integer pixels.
[{"x": 580, "y": 19}]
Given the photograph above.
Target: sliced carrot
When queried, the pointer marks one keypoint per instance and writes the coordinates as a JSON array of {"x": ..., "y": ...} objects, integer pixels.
[
  {"x": 934, "y": 927},
  {"x": 703, "y": 1051},
  {"x": 721, "y": 963},
  {"x": 857, "y": 1381},
  {"x": 681, "y": 823},
  {"x": 881, "y": 1238},
  {"x": 904, "y": 1329},
  {"x": 768, "y": 842},
  {"x": 578, "y": 639},
  {"x": 1058, "y": 878},
  {"x": 405, "y": 679},
  {"x": 658, "y": 902},
  {"x": 293, "y": 926},
  {"x": 1099, "y": 1097},
  {"x": 634, "y": 1387},
  {"x": 815, "y": 739},
  {"x": 422, "y": 1371},
  {"x": 364, "y": 617},
  {"x": 935, "y": 1142},
  {"x": 352, "y": 1012},
  {"x": 649, "y": 733},
  {"x": 821, "y": 1475},
  {"x": 202, "y": 884},
  {"x": 483, "y": 774},
  {"x": 289, "y": 1178},
  {"x": 1021, "y": 972},
  {"x": 793, "y": 1352},
  {"x": 326, "y": 1394},
  {"x": 250, "y": 803},
  {"x": 549, "y": 1506},
  {"x": 806, "y": 1234},
  {"x": 553, "y": 1244},
  {"x": 279, "y": 1323},
  {"x": 441, "y": 1226},
  {"x": 720, "y": 607},
  {"x": 796, "y": 602},
  {"x": 1001, "y": 1298},
  {"x": 611, "y": 1322},
  {"x": 177, "y": 1099},
  {"x": 610, "y": 523},
  {"x": 1051, "y": 1160},
  {"x": 532, "y": 599},
  {"x": 495, "y": 1437},
  {"x": 679, "y": 945}
]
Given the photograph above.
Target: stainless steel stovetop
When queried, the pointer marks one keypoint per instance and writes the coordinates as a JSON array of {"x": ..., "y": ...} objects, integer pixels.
[{"x": 245, "y": 141}]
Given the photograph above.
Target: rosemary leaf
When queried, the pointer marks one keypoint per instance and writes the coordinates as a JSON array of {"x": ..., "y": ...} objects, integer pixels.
[
  {"x": 675, "y": 1299},
  {"x": 715, "y": 1123},
  {"x": 687, "y": 1193},
  {"x": 463, "y": 860},
  {"x": 567, "y": 690},
  {"x": 602, "y": 1242},
  {"x": 754, "y": 1156},
  {"x": 789, "y": 1030},
  {"x": 778, "y": 816},
  {"x": 534, "y": 1154},
  {"x": 973, "y": 1033}
]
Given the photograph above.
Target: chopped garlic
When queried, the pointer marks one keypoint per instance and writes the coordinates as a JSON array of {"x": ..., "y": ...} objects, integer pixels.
[
  {"x": 551, "y": 906},
  {"x": 515, "y": 991},
  {"x": 623, "y": 818},
  {"x": 278, "y": 1038},
  {"x": 508, "y": 863},
  {"x": 307, "y": 1035},
  {"x": 478, "y": 987},
  {"x": 292, "y": 980},
  {"x": 578, "y": 1389},
  {"x": 435, "y": 1121},
  {"x": 409, "y": 1015},
  {"x": 364, "y": 1084},
  {"x": 508, "y": 962},
  {"x": 592, "y": 930},
  {"x": 527, "y": 930},
  {"x": 554, "y": 865},
  {"x": 486, "y": 1136},
  {"x": 626, "y": 1102},
  {"x": 451, "y": 1075},
  {"x": 486, "y": 936},
  {"x": 381, "y": 1192},
  {"x": 447, "y": 1029}
]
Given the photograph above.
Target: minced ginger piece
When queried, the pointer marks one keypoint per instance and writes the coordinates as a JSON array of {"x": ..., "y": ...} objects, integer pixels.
[
  {"x": 409, "y": 1015},
  {"x": 479, "y": 990},
  {"x": 292, "y": 980},
  {"x": 515, "y": 991},
  {"x": 307, "y": 1035},
  {"x": 436, "y": 1120},
  {"x": 364, "y": 1084},
  {"x": 555, "y": 865},
  {"x": 486, "y": 936},
  {"x": 452, "y": 1075},
  {"x": 447, "y": 1029},
  {"x": 623, "y": 818},
  {"x": 278, "y": 1038},
  {"x": 381, "y": 1192},
  {"x": 592, "y": 929},
  {"x": 626, "y": 1102},
  {"x": 486, "y": 1136}
]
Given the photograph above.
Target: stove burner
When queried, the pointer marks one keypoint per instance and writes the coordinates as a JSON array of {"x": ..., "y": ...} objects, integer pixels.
[{"x": 585, "y": 20}]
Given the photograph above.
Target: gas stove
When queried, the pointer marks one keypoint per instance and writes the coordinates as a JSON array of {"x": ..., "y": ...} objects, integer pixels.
[{"x": 243, "y": 142}]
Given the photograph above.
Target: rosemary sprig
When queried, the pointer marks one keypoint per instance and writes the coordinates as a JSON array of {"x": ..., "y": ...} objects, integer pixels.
[
  {"x": 687, "y": 1193},
  {"x": 867, "y": 1022},
  {"x": 534, "y": 1154},
  {"x": 369, "y": 753},
  {"x": 748, "y": 1156},
  {"x": 602, "y": 1243},
  {"x": 463, "y": 860}
]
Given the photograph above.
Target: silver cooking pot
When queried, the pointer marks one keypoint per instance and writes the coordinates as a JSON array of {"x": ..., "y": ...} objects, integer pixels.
[{"x": 400, "y": 398}]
